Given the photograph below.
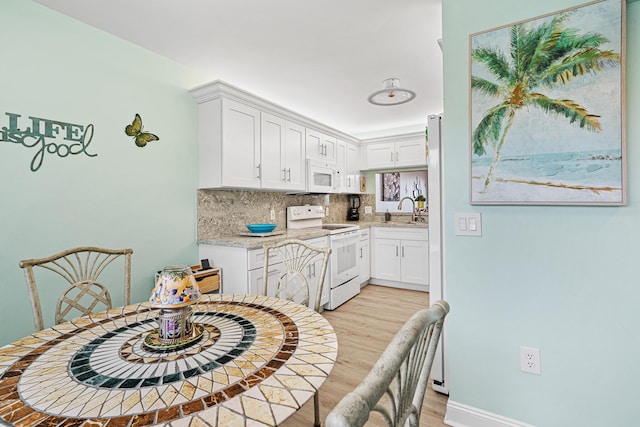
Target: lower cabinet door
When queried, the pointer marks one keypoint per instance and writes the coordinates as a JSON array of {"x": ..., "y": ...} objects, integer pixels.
[
  {"x": 256, "y": 280},
  {"x": 364, "y": 263},
  {"x": 386, "y": 264},
  {"x": 415, "y": 262}
]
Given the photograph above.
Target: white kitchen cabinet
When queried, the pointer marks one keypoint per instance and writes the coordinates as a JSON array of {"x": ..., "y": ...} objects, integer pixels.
[
  {"x": 400, "y": 257},
  {"x": 282, "y": 154},
  {"x": 414, "y": 264},
  {"x": 229, "y": 144},
  {"x": 404, "y": 152},
  {"x": 364, "y": 261},
  {"x": 347, "y": 157},
  {"x": 386, "y": 260},
  {"x": 353, "y": 169},
  {"x": 380, "y": 155},
  {"x": 243, "y": 147},
  {"x": 341, "y": 166},
  {"x": 320, "y": 146}
]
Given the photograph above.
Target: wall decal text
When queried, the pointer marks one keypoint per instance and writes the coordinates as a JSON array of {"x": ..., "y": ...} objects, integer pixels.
[{"x": 39, "y": 132}]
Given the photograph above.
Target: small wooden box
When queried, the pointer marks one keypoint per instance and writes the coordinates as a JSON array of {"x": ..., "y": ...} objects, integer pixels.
[{"x": 208, "y": 280}]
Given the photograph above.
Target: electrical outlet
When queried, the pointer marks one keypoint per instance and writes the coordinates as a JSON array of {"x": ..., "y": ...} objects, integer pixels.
[
  {"x": 530, "y": 360},
  {"x": 368, "y": 209},
  {"x": 326, "y": 211},
  {"x": 272, "y": 214}
]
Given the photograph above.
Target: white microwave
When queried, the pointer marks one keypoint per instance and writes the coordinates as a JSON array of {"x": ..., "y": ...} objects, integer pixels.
[{"x": 321, "y": 177}]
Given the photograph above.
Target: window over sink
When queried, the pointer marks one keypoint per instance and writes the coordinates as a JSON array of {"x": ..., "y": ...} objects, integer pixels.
[{"x": 391, "y": 187}]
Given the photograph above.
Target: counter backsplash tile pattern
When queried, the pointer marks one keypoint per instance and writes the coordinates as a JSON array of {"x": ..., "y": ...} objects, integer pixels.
[{"x": 225, "y": 212}]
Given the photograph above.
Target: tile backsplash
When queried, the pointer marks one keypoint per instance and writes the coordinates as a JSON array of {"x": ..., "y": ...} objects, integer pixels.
[{"x": 224, "y": 212}]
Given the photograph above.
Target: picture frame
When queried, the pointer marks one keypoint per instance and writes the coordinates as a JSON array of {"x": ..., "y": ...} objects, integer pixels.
[
  {"x": 392, "y": 187},
  {"x": 549, "y": 127}
]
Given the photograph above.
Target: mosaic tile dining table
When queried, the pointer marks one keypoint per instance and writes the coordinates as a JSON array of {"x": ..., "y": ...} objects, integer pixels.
[{"x": 259, "y": 360}]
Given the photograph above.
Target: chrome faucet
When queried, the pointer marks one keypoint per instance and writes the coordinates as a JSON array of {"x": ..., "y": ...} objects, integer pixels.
[{"x": 413, "y": 207}]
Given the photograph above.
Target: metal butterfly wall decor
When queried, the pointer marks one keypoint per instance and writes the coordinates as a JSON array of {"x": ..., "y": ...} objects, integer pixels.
[{"x": 135, "y": 130}]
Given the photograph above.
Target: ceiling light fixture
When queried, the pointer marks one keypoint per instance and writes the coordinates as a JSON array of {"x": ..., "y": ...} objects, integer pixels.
[{"x": 391, "y": 94}]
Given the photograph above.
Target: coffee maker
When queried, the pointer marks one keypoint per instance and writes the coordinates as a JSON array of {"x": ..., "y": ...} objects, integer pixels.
[{"x": 354, "y": 205}]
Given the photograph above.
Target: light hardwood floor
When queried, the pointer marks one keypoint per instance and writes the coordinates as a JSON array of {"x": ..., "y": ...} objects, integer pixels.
[{"x": 364, "y": 326}]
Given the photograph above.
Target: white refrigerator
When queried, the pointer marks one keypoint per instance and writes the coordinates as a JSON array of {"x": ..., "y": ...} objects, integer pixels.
[{"x": 437, "y": 289}]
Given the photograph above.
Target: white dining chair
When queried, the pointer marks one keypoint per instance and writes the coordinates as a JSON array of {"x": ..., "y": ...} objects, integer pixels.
[
  {"x": 396, "y": 385},
  {"x": 80, "y": 267},
  {"x": 301, "y": 279}
]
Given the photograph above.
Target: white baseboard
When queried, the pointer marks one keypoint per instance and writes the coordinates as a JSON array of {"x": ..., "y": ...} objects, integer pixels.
[
  {"x": 459, "y": 415},
  {"x": 399, "y": 285}
]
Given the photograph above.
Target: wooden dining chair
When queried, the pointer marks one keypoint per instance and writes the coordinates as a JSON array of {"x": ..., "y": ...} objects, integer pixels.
[
  {"x": 396, "y": 385},
  {"x": 302, "y": 272},
  {"x": 81, "y": 268},
  {"x": 300, "y": 279}
]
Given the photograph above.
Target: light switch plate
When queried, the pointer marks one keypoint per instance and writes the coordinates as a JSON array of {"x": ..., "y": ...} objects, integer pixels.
[{"x": 468, "y": 224}]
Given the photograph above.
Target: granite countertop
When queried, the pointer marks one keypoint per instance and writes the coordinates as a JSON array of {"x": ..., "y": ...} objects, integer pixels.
[
  {"x": 401, "y": 223},
  {"x": 251, "y": 242},
  {"x": 256, "y": 242}
]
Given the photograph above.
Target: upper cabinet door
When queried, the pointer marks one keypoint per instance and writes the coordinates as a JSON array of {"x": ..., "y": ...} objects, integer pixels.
[
  {"x": 330, "y": 148},
  {"x": 315, "y": 148},
  {"x": 341, "y": 166},
  {"x": 411, "y": 153},
  {"x": 380, "y": 155},
  {"x": 294, "y": 156},
  {"x": 320, "y": 146},
  {"x": 282, "y": 145},
  {"x": 272, "y": 141},
  {"x": 353, "y": 169},
  {"x": 240, "y": 145}
]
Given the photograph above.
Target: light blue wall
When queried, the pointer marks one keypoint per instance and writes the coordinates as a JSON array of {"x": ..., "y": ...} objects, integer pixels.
[
  {"x": 57, "y": 68},
  {"x": 563, "y": 279}
]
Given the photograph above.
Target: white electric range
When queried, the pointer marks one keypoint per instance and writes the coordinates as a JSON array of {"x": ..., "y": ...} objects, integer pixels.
[{"x": 343, "y": 263}]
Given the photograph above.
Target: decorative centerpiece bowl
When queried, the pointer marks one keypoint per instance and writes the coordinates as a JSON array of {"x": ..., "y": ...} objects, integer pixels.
[{"x": 261, "y": 228}]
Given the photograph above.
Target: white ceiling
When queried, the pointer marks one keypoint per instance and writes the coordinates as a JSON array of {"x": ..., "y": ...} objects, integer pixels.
[{"x": 320, "y": 58}]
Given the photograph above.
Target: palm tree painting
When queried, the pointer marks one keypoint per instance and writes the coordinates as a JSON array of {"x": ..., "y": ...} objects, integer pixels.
[{"x": 546, "y": 109}]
